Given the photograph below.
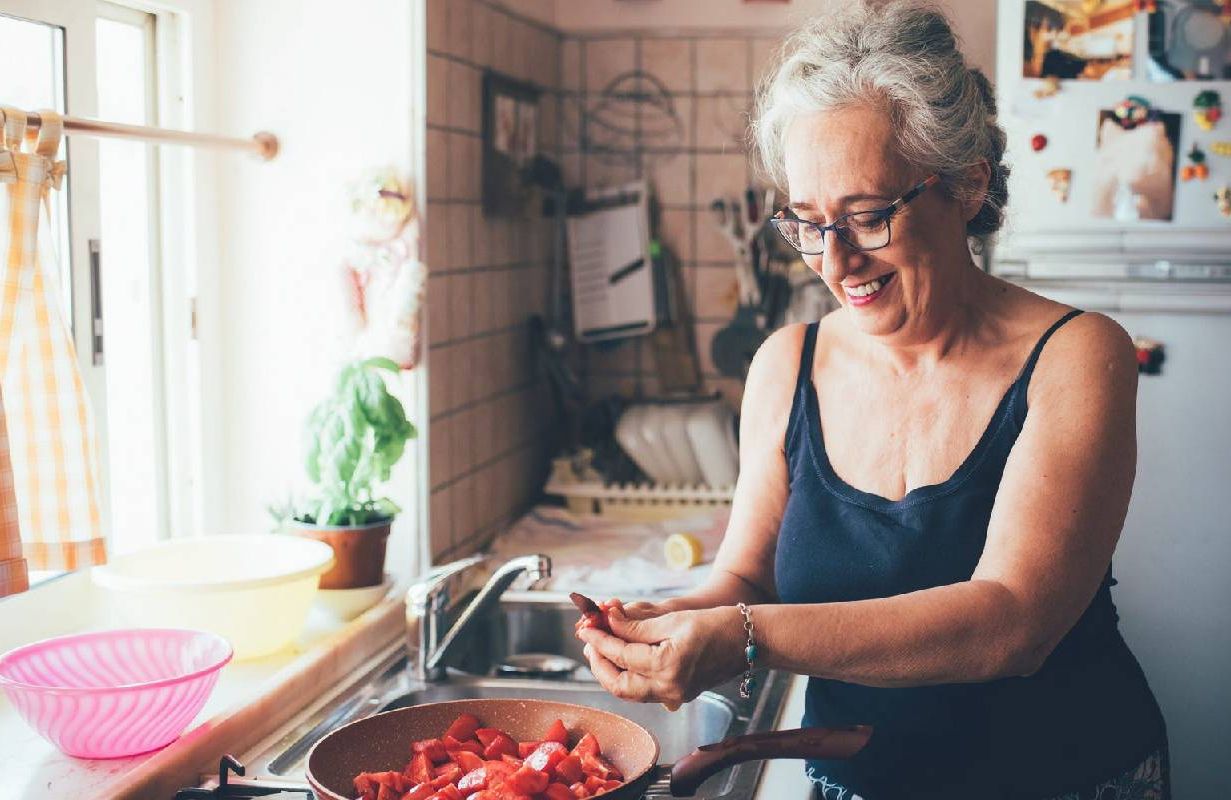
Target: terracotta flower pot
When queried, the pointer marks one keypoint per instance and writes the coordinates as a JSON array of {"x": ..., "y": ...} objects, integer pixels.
[{"x": 359, "y": 552}]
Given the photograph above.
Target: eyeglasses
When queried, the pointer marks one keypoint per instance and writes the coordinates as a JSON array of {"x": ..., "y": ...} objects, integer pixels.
[{"x": 862, "y": 230}]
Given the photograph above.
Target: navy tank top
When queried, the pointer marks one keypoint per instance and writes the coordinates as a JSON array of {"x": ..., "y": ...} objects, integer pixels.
[{"x": 1086, "y": 715}]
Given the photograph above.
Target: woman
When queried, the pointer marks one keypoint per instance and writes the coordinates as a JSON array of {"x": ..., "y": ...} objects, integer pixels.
[{"x": 933, "y": 479}]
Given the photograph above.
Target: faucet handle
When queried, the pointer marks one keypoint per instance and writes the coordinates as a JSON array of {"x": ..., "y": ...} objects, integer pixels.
[{"x": 429, "y": 591}]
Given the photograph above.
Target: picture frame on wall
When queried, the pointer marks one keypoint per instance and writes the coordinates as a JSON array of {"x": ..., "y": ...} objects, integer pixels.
[{"x": 510, "y": 141}]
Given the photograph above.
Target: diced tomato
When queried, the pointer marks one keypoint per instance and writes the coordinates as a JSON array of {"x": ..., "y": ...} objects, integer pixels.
[
  {"x": 613, "y": 784},
  {"x": 420, "y": 769},
  {"x": 526, "y": 748},
  {"x": 569, "y": 769},
  {"x": 420, "y": 792},
  {"x": 513, "y": 760},
  {"x": 446, "y": 773},
  {"x": 449, "y": 792},
  {"x": 501, "y": 745},
  {"x": 434, "y": 748},
  {"x": 557, "y": 733},
  {"x": 467, "y": 760},
  {"x": 558, "y": 791},
  {"x": 366, "y": 786},
  {"x": 579, "y": 790},
  {"x": 470, "y": 745},
  {"x": 528, "y": 781},
  {"x": 474, "y": 781},
  {"x": 595, "y": 785},
  {"x": 499, "y": 768},
  {"x": 487, "y": 735},
  {"x": 547, "y": 756},
  {"x": 599, "y": 767},
  {"x": 587, "y": 744},
  {"x": 463, "y": 727}
]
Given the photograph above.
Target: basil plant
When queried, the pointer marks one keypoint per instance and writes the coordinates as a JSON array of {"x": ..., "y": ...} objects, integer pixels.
[{"x": 353, "y": 438}]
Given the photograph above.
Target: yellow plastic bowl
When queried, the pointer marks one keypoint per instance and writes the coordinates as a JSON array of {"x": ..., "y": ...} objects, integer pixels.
[{"x": 253, "y": 590}]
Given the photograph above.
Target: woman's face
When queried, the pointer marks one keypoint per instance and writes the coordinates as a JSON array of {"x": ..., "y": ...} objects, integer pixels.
[{"x": 842, "y": 161}]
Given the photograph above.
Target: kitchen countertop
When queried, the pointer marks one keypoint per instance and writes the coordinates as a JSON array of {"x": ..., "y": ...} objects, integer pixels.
[{"x": 252, "y": 698}]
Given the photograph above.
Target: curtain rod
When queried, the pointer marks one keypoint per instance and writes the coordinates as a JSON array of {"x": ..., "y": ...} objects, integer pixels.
[{"x": 262, "y": 144}]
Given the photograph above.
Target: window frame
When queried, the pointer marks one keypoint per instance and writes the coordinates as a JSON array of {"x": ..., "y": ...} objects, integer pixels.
[{"x": 169, "y": 35}]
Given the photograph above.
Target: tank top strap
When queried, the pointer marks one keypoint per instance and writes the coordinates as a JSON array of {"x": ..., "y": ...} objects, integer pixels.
[
  {"x": 1023, "y": 377},
  {"x": 803, "y": 387},
  {"x": 804, "y": 380}
]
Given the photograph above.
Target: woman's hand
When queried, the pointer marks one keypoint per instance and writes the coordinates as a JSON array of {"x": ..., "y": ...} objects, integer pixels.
[
  {"x": 669, "y": 658},
  {"x": 642, "y": 609}
]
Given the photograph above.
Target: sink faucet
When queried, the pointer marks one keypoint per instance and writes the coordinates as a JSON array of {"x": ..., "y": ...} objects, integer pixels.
[{"x": 427, "y": 606}]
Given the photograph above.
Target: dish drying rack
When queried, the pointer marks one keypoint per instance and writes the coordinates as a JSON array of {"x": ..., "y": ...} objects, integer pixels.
[{"x": 585, "y": 492}]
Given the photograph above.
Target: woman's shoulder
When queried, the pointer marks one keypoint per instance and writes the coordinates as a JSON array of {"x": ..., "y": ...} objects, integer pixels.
[
  {"x": 1085, "y": 336},
  {"x": 1088, "y": 352}
]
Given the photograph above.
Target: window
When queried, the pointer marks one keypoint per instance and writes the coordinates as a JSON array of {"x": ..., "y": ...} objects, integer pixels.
[
  {"x": 117, "y": 227},
  {"x": 128, "y": 282}
]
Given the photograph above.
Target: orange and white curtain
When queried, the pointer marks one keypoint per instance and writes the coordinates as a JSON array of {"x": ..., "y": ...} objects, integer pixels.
[{"x": 52, "y": 448}]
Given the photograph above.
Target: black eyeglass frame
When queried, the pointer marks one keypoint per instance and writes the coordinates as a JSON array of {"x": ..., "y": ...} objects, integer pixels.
[{"x": 839, "y": 226}]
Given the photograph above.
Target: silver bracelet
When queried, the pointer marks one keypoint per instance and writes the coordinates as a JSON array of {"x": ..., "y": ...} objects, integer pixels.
[{"x": 748, "y": 681}]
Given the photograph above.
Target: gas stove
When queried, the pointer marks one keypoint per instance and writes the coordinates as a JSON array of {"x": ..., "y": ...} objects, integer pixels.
[{"x": 230, "y": 783}]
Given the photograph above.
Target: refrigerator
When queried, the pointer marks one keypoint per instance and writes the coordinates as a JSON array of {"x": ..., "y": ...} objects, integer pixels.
[{"x": 1134, "y": 240}]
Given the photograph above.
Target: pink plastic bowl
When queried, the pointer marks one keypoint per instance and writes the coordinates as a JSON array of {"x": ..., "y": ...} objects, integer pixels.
[{"x": 113, "y": 693}]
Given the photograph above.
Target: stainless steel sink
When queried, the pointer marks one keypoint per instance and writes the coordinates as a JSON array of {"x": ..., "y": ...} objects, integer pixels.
[{"x": 529, "y": 622}]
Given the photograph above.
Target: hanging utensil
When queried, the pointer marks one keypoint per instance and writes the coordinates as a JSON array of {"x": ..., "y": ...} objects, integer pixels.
[{"x": 733, "y": 346}]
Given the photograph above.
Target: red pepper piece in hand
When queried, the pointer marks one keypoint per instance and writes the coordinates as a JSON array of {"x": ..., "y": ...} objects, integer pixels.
[{"x": 592, "y": 614}]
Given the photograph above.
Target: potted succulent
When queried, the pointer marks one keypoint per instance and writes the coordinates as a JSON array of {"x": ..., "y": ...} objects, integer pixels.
[{"x": 352, "y": 438}]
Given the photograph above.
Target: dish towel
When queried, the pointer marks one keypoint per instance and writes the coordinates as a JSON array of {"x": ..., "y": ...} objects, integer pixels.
[
  {"x": 14, "y": 577},
  {"x": 52, "y": 447}
]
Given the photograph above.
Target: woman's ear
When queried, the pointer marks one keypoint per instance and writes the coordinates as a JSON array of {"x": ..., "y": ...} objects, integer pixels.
[{"x": 978, "y": 177}]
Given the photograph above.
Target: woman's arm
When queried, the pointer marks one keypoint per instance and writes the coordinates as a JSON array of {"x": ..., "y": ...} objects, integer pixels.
[
  {"x": 744, "y": 566},
  {"x": 1058, "y": 513}
]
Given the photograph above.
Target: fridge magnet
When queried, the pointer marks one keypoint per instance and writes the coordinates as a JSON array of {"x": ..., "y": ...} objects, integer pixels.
[
  {"x": 1082, "y": 41},
  {"x": 1061, "y": 180},
  {"x": 1196, "y": 168},
  {"x": 1135, "y": 164},
  {"x": 1049, "y": 88},
  {"x": 1190, "y": 40},
  {"x": 1150, "y": 355},
  {"x": 1038, "y": 143},
  {"x": 1221, "y": 148},
  {"x": 1207, "y": 109},
  {"x": 1223, "y": 198},
  {"x": 1134, "y": 110}
]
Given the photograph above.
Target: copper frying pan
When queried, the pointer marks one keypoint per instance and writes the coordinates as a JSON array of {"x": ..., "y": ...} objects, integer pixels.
[{"x": 382, "y": 742}]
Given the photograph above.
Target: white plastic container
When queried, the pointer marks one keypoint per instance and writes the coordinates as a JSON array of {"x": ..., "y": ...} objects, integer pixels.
[{"x": 253, "y": 590}]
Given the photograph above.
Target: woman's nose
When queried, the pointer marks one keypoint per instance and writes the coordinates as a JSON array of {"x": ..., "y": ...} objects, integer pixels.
[{"x": 839, "y": 258}]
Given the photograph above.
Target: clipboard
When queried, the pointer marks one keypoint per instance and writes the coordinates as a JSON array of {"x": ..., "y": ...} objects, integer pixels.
[{"x": 611, "y": 265}]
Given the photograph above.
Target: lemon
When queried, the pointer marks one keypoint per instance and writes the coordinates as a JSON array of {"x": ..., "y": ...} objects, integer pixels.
[{"x": 682, "y": 550}]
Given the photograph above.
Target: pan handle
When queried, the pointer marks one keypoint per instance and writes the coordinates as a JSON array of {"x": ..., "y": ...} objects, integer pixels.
[{"x": 816, "y": 743}]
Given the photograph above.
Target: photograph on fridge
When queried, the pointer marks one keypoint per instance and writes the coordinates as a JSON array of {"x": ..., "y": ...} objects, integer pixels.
[
  {"x": 1079, "y": 39},
  {"x": 1135, "y": 163},
  {"x": 1190, "y": 40}
]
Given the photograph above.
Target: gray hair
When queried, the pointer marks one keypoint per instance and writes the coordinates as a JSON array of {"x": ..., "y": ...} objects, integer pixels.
[{"x": 902, "y": 53}]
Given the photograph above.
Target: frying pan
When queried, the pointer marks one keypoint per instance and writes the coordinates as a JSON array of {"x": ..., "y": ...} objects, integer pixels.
[{"x": 382, "y": 742}]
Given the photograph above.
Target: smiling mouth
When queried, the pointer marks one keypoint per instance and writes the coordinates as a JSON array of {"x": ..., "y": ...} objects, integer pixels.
[{"x": 870, "y": 288}]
